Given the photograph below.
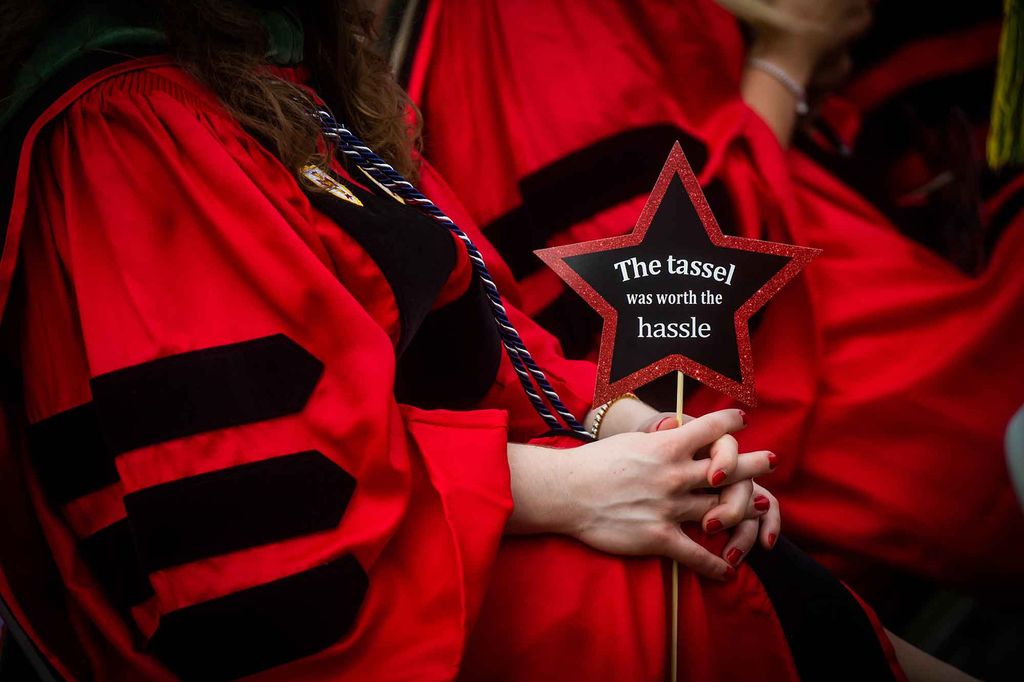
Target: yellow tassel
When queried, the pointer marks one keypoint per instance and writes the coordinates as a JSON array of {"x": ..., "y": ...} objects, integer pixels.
[{"x": 1006, "y": 134}]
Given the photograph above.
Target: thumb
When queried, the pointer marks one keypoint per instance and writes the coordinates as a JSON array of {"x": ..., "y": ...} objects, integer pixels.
[{"x": 665, "y": 421}]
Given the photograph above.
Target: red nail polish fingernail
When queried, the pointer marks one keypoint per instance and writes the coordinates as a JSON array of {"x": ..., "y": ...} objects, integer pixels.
[
  {"x": 771, "y": 539},
  {"x": 714, "y": 525},
  {"x": 730, "y": 572},
  {"x": 773, "y": 459},
  {"x": 733, "y": 556},
  {"x": 718, "y": 477},
  {"x": 743, "y": 417},
  {"x": 762, "y": 503},
  {"x": 662, "y": 422}
]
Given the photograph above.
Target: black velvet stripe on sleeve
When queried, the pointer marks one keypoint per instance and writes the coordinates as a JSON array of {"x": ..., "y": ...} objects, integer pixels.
[
  {"x": 69, "y": 454},
  {"x": 453, "y": 359},
  {"x": 415, "y": 254},
  {"x": 264, "y": 626},
  {"x": 829, "y": 635},
  {"x": 582, "y": 184},
  {"x": 236, "y": 508},
  {"x": 112, "y": 556},
  {"x": 204, "y": 390}
]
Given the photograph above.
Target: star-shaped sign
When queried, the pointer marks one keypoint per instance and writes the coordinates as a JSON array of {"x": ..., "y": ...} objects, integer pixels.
[{"x": 675, "y": 293}]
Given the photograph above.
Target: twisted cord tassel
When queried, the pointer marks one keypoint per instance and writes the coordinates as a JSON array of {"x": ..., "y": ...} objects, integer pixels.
[{"x": 522, "y": 362}]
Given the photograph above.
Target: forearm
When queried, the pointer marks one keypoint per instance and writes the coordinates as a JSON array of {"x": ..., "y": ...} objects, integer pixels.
[
  {"x": 540, "y": 478},
  {"x": 766, "y": 95},
  {"x": 921, "y": 666},
  {"x": 798, "y": 39}
]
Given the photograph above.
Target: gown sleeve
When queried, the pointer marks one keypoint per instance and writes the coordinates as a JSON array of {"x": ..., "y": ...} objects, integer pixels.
[
  {"x": 573, "y": 380},
  {"x": 211, "y": 398}
]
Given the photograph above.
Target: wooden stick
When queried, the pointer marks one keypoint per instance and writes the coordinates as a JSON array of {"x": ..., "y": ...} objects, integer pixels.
[{"x": 674, "y": 656}]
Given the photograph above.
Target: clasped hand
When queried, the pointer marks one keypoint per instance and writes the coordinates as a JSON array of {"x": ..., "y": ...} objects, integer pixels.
[{"x": 629, "y": 493}]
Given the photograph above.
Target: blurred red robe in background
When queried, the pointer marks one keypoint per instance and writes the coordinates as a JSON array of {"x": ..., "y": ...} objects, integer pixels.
[{"x": 886, "y": 375}]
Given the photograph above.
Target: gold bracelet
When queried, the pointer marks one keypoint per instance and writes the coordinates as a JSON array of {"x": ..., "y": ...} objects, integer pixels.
[{"x": 595, "y": 429}]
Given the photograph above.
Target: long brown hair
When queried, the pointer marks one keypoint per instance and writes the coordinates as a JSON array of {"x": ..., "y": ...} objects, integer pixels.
[{"x": 223, "y": 43}]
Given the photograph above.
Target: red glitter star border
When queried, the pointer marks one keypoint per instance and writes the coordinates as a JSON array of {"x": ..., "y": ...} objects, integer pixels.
[{"x": 743, "y": 391}]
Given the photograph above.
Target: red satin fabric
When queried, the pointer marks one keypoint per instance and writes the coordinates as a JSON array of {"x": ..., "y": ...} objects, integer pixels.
[
  {"x": 885, "y": 376},
  {"x": 148, "y": 223}
]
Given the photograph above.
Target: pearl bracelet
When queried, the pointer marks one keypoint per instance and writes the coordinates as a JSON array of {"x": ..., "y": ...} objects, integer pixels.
[
  {"x": 595, "y": 428},
  {"x": 787, "y": 81}
]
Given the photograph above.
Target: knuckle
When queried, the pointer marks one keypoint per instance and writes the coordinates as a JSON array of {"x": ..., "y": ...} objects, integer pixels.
[
  {"x": 690, "y": 510},
  {"x": 691, "y": 556},
  {"x": 706, "y": 564},
  {"x": 741, "y": 491},
  {"x": 732, "y": 515},
  {"x": 674, "y": 512},
  {"x": 743, "y": 544},
  {"x": 719, "y": 421},
  {"x": 682, "y": 480},
  {"x": 668, "y": 482}
]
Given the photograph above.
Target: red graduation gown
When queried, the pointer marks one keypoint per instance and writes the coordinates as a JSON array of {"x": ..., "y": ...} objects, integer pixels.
[{"x": 227, "y": 476}]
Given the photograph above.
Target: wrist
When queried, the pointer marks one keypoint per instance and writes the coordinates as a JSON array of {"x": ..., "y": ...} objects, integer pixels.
[
  {"x": 541, "y": 478},
  {"x": 794, "y": 90},
  {"x": 796, "y": 62},
  {"x": 625, "y": 414}
]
